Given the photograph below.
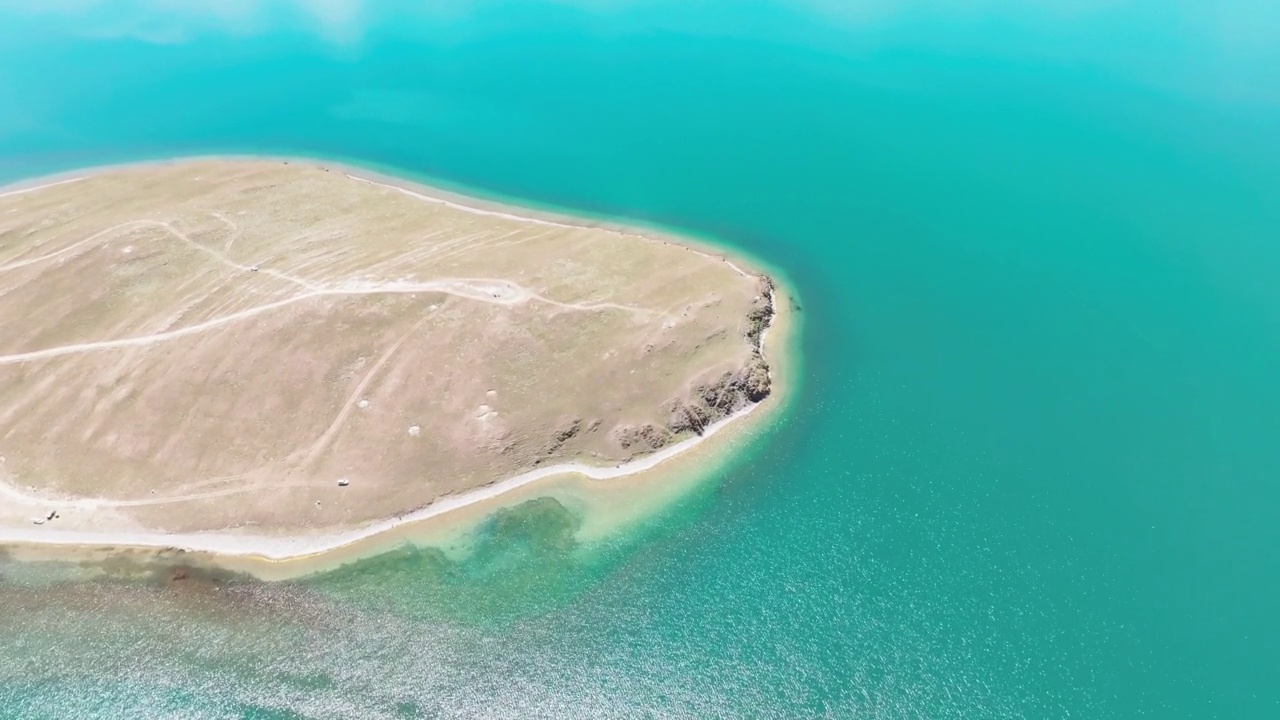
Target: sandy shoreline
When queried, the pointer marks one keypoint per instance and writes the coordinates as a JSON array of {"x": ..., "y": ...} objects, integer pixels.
[
  {"x": 282, "y": 549},
  {"x": 293, "y": 547}
]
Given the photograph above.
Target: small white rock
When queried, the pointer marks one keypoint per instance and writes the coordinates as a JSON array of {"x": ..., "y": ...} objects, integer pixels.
[
  {"x": 414, "y": 431},
  {"x": 362, "y": 404}
]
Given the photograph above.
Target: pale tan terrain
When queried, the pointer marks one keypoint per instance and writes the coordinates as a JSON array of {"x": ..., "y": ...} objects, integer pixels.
[{"x": 216, "y": 344}]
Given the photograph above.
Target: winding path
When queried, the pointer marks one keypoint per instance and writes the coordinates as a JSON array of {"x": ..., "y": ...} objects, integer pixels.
[
  {"x": 490, "y": 290},
  {"x": 460, "y": 287}
]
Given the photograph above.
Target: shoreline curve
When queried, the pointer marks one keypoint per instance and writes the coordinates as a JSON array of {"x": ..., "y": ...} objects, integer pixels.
[{"x": 250, "y": 552}]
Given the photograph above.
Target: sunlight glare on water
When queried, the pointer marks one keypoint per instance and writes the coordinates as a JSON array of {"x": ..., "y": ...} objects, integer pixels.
[{"x": 1032, "y": 468}]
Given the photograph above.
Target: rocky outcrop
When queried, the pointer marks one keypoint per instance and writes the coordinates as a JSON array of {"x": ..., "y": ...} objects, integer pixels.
[
  {"x": 709, "y": 401},
  {"x": 565, "y": 435},
  {"x": 575, "y": 429},
  {"x": 644, "y": 438},
  {"x": 726, "y": 395},
  {"x": 761, "y": 314}
]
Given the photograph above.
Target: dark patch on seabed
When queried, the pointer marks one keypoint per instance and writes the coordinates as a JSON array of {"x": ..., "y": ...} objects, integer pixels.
[
  {"x": 521, "y": 555},
  {"x": 521, "y": 561},
  {"x": 171, "y": 568}
]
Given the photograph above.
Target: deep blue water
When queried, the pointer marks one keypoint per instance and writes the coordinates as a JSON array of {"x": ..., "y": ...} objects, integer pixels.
[{"x": 1034, "y": 468}]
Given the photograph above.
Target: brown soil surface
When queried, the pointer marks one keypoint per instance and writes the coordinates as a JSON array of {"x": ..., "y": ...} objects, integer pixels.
[{"x": 212, "y": 344}]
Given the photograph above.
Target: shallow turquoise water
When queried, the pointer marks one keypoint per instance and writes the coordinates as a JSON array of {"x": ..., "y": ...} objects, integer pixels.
[{"x": 1034, "y": 469}]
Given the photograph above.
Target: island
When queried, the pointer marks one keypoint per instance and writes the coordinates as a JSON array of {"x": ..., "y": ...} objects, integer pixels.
[{"x": 231, "y": 347}]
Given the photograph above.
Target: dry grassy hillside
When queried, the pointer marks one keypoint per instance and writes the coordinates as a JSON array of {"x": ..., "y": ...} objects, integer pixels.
[{"x": 214, "y": 344}]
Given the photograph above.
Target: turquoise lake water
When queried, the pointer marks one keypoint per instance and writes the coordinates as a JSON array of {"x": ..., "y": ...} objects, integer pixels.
[{"x": 1034, "y": 468}]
